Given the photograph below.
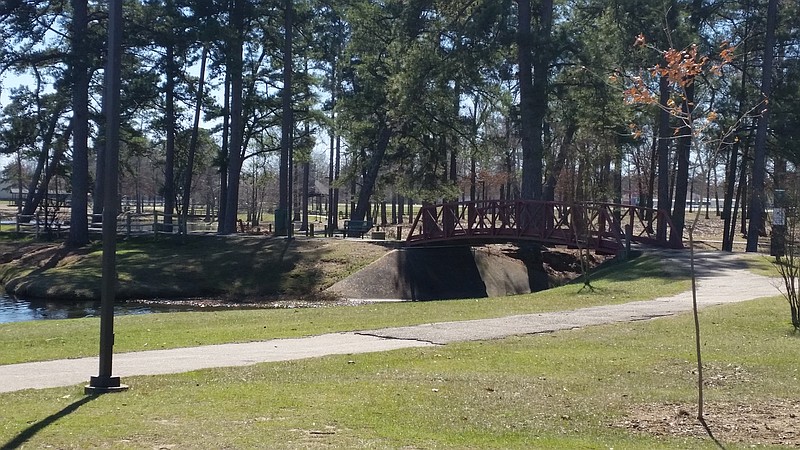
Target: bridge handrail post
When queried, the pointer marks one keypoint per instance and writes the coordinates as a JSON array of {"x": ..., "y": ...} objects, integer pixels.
[
  {"x": 602, "y": 218},
  {"x": 451, "y": 213},
  {"x": 472, "y": 215},
  {"x": 414, "y": 225},
  {"x": 628, "y": 236},
  {"x": 633, "y": 212},
  {"x": 432, "y": 220}
]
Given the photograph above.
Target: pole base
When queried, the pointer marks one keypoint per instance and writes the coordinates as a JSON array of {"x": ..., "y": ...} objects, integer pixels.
[{"x": 104, "y": 385}]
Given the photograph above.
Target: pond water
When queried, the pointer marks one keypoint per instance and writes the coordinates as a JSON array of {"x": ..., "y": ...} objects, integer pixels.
[{"x": 19, "y": 310}]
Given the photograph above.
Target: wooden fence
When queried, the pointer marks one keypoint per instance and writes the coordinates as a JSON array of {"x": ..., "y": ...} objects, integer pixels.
[{"x": 128, "y": 224}]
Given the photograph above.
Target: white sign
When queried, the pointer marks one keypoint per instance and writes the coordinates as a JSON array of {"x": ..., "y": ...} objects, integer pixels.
[{"x": 778, "y": 216}]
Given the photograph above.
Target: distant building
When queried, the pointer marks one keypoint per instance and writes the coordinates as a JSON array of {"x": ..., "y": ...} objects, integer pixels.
[{"x": 9, "y": 192}]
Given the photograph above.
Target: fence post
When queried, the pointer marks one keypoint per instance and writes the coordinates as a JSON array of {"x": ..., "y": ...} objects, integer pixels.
[
  {"x": 128, "y": 224},
  {"x": 155, "y": 222},
  {"x": 399, "y": 232},
  {"x": 311, "y": 229}
]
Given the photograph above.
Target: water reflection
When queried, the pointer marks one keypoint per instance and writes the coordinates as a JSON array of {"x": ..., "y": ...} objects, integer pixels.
[{"x": 18, "y": 310}]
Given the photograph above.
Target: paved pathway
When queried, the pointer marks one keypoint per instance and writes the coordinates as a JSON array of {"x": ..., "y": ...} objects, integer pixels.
[{"x": 721, "y": 279}]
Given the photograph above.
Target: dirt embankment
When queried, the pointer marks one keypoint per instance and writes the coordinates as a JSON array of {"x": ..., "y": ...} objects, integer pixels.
[
  {"x": 462, "y": 272},
  {"x": 261, "y": 270},
  {"x": 233, "y": 269}
]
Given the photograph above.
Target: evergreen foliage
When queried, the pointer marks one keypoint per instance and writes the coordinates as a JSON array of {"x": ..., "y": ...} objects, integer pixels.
[{"x": 424, "y": 101}]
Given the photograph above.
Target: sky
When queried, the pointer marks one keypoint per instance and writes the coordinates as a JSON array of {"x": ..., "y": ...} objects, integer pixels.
[{"x": 8, "y": 82}]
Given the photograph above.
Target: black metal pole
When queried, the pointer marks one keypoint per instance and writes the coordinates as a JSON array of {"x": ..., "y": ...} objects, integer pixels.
[{"x": 104, "y": 382}]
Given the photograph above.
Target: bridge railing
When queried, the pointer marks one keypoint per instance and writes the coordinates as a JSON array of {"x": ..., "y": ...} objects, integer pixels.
[
  {"x": 648, "y": 226},
  {"x": 601, "y": 226}
]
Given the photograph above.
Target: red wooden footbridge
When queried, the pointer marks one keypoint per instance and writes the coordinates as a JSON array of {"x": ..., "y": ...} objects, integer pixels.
[{"x": 597, "y": 226}]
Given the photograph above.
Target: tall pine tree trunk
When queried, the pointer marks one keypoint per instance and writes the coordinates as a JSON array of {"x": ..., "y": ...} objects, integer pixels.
[
  {"x": 531, "y": 163},
  {"x": 187, "y": 182},
  {"x": 651, "y": 184},
  {"x": 727, "y": 203},
  {"x": 306, "y": 181},
  {"x": 283, "y": 219},
  {"x": 236, "y": 121},
  {"x": 401, "y": 203},
  {"x": 533, "y": 73},
  {"x": 663, "y": 156},
  {"x": 99, "y": 174},
  {"x": 336, "y": 190},
  {"x": 560, "y": 161},
  {"x": 33, "y": 199},
  {"x": 224, "y": 153},
  {"x": 371, "y": 175},
  {"x": 760, "y": 149},
  {"x": 617, "y": 174},
  {"x": 170, "y": 121},
  {"x": 682, "y": 174},
  {"x": 79, "y": 224},
  {"x": 332, "y": 206}
]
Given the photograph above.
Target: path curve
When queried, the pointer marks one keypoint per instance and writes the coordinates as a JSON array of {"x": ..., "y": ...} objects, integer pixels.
[{"x": 722, "y": 279}]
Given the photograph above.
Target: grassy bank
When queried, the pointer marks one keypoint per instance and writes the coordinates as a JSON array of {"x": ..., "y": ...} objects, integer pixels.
[
  {"x": 639, "y": 279},
  {"x": 235, "y": 267},
  {"x": 623, "y": 386}
]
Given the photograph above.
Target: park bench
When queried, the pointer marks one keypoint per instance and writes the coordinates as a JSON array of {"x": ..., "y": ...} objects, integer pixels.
[{"x": 353, "y": 228}]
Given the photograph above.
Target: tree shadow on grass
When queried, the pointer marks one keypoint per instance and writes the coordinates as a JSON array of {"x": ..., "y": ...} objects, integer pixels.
[
  {"x": 35, "y": 428},
  {"x": 628, "y": 270},
  {"x": 37, "y": 282}
]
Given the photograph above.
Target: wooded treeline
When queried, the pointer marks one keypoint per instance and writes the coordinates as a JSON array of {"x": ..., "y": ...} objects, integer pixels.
[{"x": 428, "y": 100}]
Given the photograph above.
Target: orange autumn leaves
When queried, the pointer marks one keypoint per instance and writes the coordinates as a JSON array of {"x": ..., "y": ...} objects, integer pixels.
[{"x": 680, "y": 68}]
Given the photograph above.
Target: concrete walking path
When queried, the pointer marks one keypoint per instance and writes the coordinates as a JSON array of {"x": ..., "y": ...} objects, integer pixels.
[{"x": 722, "y": 278}]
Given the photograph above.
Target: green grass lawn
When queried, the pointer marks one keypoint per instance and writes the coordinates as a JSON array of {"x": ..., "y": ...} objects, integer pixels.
[{"x": 569, "y": 389}]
